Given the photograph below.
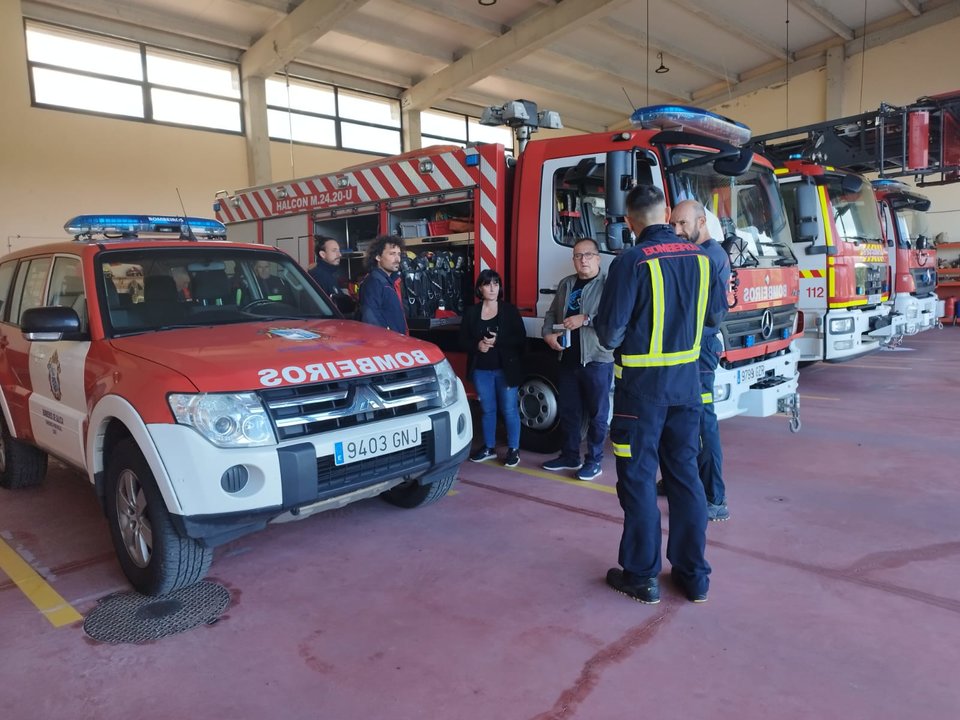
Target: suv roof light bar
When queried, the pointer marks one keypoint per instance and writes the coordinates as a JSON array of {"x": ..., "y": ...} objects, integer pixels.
[{"x": 84, "y": 227}]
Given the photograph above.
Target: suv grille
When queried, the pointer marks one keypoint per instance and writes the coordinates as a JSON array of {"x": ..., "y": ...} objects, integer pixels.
[
  {"x": 336, "y": 479},
  {"x": 309, "y": 409},
  {"x": 736, "y": 328}
]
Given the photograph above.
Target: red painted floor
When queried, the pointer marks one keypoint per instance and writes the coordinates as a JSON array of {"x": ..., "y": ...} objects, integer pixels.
[{"x": 835, "y": 593}]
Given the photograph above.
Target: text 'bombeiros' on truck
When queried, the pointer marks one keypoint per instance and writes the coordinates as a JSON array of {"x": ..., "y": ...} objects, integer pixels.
[
  {"x": 207, "y": 388},
  {"x": 463, "y": 209}
]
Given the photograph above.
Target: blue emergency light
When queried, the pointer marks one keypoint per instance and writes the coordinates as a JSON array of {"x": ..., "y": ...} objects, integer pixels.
[
  {"x": 136, "y": 225},
  {"x": 671, "y": 117}
]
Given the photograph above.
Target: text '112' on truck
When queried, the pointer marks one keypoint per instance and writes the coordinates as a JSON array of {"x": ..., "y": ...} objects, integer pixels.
[
  {"x": 464, "y": 209},
  {"x": 206, "y": 388}
]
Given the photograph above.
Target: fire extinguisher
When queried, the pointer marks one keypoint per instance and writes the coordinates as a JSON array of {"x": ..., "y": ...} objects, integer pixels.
[{"x": 949, "y": 310}]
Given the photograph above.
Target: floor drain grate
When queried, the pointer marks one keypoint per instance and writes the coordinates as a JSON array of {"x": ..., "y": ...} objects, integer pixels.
[{"x": 135, "y": 618}]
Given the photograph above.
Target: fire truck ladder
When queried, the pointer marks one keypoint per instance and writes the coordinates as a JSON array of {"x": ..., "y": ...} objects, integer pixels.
[{"x": 920, "y": 140}]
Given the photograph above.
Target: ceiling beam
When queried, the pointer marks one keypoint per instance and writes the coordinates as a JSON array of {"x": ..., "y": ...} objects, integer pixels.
[
  {"x": 294, "y": 34},
  {"x": 890, "y": 32},
  {"x": 694, "y": 7},
  {"x": 454, "y": 12},
  {"x": 281, "y": 6},
  {"x": 637, "y": 38},
  {"x": 524, "y": 38},
  {"x": 382, "y": 31},
  {"x": 825, "y": 18},
  {"x": 911, "y": 7}
]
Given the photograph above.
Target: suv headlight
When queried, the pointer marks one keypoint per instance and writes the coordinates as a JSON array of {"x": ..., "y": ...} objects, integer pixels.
[
  {"x": 449, "y": 385},
  {"x": 225, "y": 419}
]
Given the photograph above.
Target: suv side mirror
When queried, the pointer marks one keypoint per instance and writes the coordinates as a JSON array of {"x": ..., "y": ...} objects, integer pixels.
[{"x": 50, "y": 324}]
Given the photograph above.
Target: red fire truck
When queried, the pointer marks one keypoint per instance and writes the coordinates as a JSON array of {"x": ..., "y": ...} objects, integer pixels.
[
  {"x": 903, "y": 219},
  {"x": 465, "y": 209},
  {"x": 844, "y": 265},
  {"x": 921, "y": 140}
]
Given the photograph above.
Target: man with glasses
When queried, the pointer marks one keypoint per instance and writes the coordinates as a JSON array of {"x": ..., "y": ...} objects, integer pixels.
[{"x": 586, "y": 367}]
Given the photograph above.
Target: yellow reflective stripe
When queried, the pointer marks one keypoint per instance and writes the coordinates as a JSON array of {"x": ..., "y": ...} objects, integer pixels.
[
  {"x": 656, "y": 286},
  {"x": 702, "y": 300},
  {"x": 656, "y": 357},
  {"x": 622, "y": 450},
  {"x": 617, "y": 371},
  {"x": 781, "y": 171},
  {"x": 706, "y": 398},
  {"x": 660, "y": 359}
]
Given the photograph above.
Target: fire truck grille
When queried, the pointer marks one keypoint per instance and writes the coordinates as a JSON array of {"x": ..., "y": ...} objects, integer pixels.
[
  {"x": 740, "y": 328},
  {"x": 335, "y": 479},
  {"x": 926, "y": 280},
  {"x": 305, "y": 410},
  {"x": 871, "y": 280}
]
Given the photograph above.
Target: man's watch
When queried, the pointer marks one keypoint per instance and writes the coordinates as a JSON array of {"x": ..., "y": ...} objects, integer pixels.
[{"x": 586, "y": 320}]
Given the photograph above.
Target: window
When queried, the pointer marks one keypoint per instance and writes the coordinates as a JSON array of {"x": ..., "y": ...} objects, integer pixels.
[
  {"x": 443, "y": 128},
  {"x": 6, "y": 276},
  {"x": 29, "y": 288},
  {"x": 318, "y": 114},
  {"x": 93, "y": 73}
]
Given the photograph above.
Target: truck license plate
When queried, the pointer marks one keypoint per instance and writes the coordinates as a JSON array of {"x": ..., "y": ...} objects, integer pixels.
[
  {"x": 369, "y": 446},
  {"x": 751, "y": 374}
]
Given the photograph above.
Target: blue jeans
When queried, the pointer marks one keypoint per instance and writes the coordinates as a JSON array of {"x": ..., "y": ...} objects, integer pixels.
[
  {"x": 584, "y": 389},
  {"x": 493, "y": 392}
]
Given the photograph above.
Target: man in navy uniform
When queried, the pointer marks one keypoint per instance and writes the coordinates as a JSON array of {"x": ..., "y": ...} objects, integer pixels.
[
  {"x": 689, "y": 221},
  {"x": 654, "y": 306}
]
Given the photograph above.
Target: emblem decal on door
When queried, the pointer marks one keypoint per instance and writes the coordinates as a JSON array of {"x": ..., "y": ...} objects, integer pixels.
[{"x": 53, "y": 372}]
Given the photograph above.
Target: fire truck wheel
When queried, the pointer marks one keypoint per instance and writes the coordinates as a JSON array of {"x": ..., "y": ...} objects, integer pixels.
[
  {"x": 21, "y": 465},
  {"x": 153, "y": 556},
  {"x": 539, "y": 414},
  {"x": 413, "y": 495}
]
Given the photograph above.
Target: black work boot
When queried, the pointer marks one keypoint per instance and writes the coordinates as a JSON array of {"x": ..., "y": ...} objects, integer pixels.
[{"x": 645, "y": 590}]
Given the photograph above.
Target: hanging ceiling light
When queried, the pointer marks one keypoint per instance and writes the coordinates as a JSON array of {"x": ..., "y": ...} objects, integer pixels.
[
  {"x": 486, "y": 3},
  {"x": 663, "y": 68}
]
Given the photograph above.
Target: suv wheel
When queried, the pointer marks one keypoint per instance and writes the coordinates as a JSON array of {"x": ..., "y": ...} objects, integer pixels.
[
  {"x": 154, "y": 556},
  {"x": 21, "y": 465},
  {"x": 414, "y": 495}
]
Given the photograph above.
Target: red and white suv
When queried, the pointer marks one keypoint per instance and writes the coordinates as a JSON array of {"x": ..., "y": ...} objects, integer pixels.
[{"x": 207, "y": 388}]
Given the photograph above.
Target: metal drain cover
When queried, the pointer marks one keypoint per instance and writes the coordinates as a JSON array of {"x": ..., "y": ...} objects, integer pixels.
[{"x": 135, "y": 618}]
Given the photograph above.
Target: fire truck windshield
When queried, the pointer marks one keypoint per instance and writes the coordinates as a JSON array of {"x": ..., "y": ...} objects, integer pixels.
[
  {"x": 748, "y": 208},
  {"x": 854, "y": 213},
  {"x": 151, "y": 288},
  {"x": 912, "y": 224}
]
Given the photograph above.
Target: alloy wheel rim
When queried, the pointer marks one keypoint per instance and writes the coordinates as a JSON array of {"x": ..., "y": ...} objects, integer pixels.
[{"x": 135, "y": 529}]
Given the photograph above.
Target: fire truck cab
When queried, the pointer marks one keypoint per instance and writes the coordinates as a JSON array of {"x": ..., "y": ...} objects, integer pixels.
[
  {"x": 844, "y": 264},
  {"x": 461, "y": 210},
  {"x": 207, "y": 388},
  {"x": 913, "y": 258}
]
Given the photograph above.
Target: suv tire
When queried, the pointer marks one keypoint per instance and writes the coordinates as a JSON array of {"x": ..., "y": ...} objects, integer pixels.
[
  {"x": 153, "y": 555},
  {"x": 21, "y": 465},
  {"x": 414, "y": 495}
]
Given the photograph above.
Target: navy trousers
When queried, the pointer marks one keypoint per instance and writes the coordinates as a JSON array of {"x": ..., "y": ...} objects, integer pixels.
[
  {"x": 584, "y": 389},
  {"x": 710, "y": 459},
  {"x": 638, "y": 430}
]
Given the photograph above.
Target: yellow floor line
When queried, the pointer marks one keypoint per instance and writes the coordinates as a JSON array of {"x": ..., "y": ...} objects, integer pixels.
[
  {"x": 47, "y": 600},
  {"x": 566, "y": 480}
]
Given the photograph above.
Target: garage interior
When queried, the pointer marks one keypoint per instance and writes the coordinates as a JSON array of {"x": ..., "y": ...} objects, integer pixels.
[{"x": 832, "y": 594}]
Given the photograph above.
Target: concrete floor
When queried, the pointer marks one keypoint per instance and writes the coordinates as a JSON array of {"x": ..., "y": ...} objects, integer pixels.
[{"x": 835, "y": 592}]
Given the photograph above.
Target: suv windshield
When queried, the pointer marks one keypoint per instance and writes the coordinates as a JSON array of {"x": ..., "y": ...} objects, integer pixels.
[
  {"x": 747, "y": 208},
  {"x": 159, "y": 288}
]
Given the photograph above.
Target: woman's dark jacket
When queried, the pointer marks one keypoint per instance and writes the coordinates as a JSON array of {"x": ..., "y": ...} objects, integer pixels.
[{"x": 511, "y": 339}]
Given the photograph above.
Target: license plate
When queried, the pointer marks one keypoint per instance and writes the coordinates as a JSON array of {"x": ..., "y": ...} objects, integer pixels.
[
  {"x": 873, "y": 299},
  {"x": 751, "y": 374},
  {"x": 375, "y": 444}
]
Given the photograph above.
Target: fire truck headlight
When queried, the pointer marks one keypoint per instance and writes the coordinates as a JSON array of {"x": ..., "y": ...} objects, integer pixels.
[
  {"x": 841, "y": 326},
  {"x": 448, "y": 383},
  {"x": 225, "y": 419}
]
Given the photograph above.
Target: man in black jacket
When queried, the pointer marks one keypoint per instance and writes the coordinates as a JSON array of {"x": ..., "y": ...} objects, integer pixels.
[
  {"x": 327, "y": 270},
  {"x": 381, "y": 294}
]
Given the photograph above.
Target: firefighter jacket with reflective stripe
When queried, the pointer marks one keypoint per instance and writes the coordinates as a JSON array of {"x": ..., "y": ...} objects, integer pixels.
[{"x": 655, "y": 302}]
